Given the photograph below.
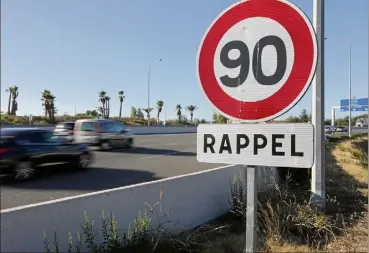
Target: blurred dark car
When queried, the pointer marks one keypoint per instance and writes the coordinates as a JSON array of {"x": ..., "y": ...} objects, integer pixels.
[
  {"x": 23, "y": 150},
  {"x": 64, "y": 130}
]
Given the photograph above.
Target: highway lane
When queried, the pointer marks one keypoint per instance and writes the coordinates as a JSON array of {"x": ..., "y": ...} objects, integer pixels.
[
  {"x": 353, "y": 131},
  {"x": 154, "y": 157}
]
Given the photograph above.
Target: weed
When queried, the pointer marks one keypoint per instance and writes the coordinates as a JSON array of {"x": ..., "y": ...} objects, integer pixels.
[
  {"x": 111, "y": 240},
  {"x": 46, "y": 243},
  {"x": 237, "y": 199}
]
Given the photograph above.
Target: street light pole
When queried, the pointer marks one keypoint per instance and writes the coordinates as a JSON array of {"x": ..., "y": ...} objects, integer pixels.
[
  {"x": 75, "y": 108},
  {"x": 148, "y": 96},
  {"x": 148, "y": 93}
]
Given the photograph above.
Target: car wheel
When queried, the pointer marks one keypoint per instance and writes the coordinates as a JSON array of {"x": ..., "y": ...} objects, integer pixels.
[
  {"x": 105, "y": 145},
  {"x": 23, "y": 170},
  {"x": 84, "y": 161},
  {"x": 129, "y": 143}
]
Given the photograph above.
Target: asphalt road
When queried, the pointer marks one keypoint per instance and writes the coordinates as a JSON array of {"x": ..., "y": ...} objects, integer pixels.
[
  {"x": 353, "y": 130},
  {"x": 154, "y": 157}
]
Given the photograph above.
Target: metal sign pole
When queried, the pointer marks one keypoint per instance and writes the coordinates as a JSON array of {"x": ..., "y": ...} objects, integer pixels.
[
  {"x": 318, "y": 168},
  {"x": 251, "y": 173},
  {"x": 252, "y": 200}
]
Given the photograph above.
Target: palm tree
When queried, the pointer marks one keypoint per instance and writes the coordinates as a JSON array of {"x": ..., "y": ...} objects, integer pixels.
[
  {"x": 148, "y": 111},
  {"x": 45, "y": 98},
  {"x": 10, "y": 97},
  {"x": 121, "y": 99},
  {"x": 14, "y": 93},
  {"x": 107, "y": 109},
  {"x": 102, "y": 99},
  {"x": 160, "y": 105},
  {"x": 179, "y": 112},
  {"x": 100, "y": 111},
  {"x": 48, "y": 104},
  {"x": 53, "y": 109},
  {"x": 191, "y": 109}
]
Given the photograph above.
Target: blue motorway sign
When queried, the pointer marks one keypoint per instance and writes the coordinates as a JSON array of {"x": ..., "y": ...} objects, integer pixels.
[{"x": 357, "y": 105}]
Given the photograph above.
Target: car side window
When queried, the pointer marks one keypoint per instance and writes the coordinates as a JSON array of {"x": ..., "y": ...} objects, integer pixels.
[
  {"x": 109, "y": 127},
  {"x": 48, "y": 137},
  {"x": 30, "y": 137},
  {"x": 88, "y": 126},
  {"x": 119, "y": 127}
]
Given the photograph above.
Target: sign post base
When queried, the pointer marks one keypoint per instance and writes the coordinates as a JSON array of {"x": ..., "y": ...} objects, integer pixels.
[{"x": 251, "y": 173}]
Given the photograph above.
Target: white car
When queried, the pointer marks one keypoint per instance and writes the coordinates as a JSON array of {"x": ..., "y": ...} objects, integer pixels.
[
  {"x": 340, "y": 129},
  {"x": 328, "y": 130}
]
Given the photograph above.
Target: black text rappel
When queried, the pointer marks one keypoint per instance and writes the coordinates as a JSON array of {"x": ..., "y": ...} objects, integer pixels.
[{"x": 260, "y": 141}]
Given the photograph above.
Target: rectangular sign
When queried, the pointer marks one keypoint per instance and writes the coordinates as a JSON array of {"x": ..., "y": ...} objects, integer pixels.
[
  {"x": 357, "y": 105},
  {"x": 275, "y": 145}
]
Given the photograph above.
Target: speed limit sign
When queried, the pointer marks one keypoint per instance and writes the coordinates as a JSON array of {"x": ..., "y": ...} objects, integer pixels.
[{"x": 257, "y": 59}]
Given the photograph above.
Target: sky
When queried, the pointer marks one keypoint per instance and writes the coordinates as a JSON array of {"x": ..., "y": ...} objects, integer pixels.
[{"x": 76, "y": 48}]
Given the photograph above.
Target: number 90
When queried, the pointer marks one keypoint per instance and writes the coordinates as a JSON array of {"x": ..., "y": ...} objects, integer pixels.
[{"x": 243, "y": 61}]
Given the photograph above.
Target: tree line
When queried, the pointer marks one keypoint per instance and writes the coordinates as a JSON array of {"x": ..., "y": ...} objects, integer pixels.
[
  {"x": 138, "y": 113},
  {"x": 50, "y": 110},
  {"x": 303, "y": 117},
  {"x": 103, "y": 110}
]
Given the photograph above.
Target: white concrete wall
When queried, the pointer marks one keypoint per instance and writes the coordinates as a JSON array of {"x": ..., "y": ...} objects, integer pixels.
[
  {"x": 189, "y": 200},
  {"x": 162, "y": 130}
]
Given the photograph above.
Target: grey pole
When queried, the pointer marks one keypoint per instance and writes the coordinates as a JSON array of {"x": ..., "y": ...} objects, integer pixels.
[
  {"x": 251, "y": 178},
  {"x": 318, "y": 169},
  {"x": 349, "y": 130},
  {"x": 148, "y": 96},
  {"x": 334, "y": 114},
  {"x": 251, "y": 173}
]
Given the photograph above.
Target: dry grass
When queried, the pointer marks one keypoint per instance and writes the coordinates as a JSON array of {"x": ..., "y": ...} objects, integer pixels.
[
  {"x": 349, "y": 160},
  {"x": 347, "y": 192}
]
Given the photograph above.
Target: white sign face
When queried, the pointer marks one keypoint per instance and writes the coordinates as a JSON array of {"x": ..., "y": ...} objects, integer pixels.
[{"x": 274, "y": 145}]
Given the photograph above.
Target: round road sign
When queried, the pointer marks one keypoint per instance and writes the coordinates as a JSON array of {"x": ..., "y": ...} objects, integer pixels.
[{"x": 257, "y": 59}]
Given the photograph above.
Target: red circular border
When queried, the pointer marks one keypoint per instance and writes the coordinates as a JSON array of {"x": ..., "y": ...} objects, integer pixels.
[{"x": 303, "y": 43}]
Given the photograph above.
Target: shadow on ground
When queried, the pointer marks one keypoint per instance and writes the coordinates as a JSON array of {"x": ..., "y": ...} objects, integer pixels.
[
  {"x": 93, "y": 179},
  {"x": 152, "y": 151}
]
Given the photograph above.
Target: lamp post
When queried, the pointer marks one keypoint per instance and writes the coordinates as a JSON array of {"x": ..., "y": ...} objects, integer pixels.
[{"x": 148, "y": 92}]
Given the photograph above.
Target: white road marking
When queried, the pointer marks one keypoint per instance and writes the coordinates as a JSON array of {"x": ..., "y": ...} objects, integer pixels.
[{"x": 89, "y": 194}]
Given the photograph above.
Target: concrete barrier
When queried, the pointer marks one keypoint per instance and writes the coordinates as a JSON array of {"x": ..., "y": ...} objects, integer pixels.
[
  {"x": 136, "y": 130},
  {"x": 189, "y": 200}
]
